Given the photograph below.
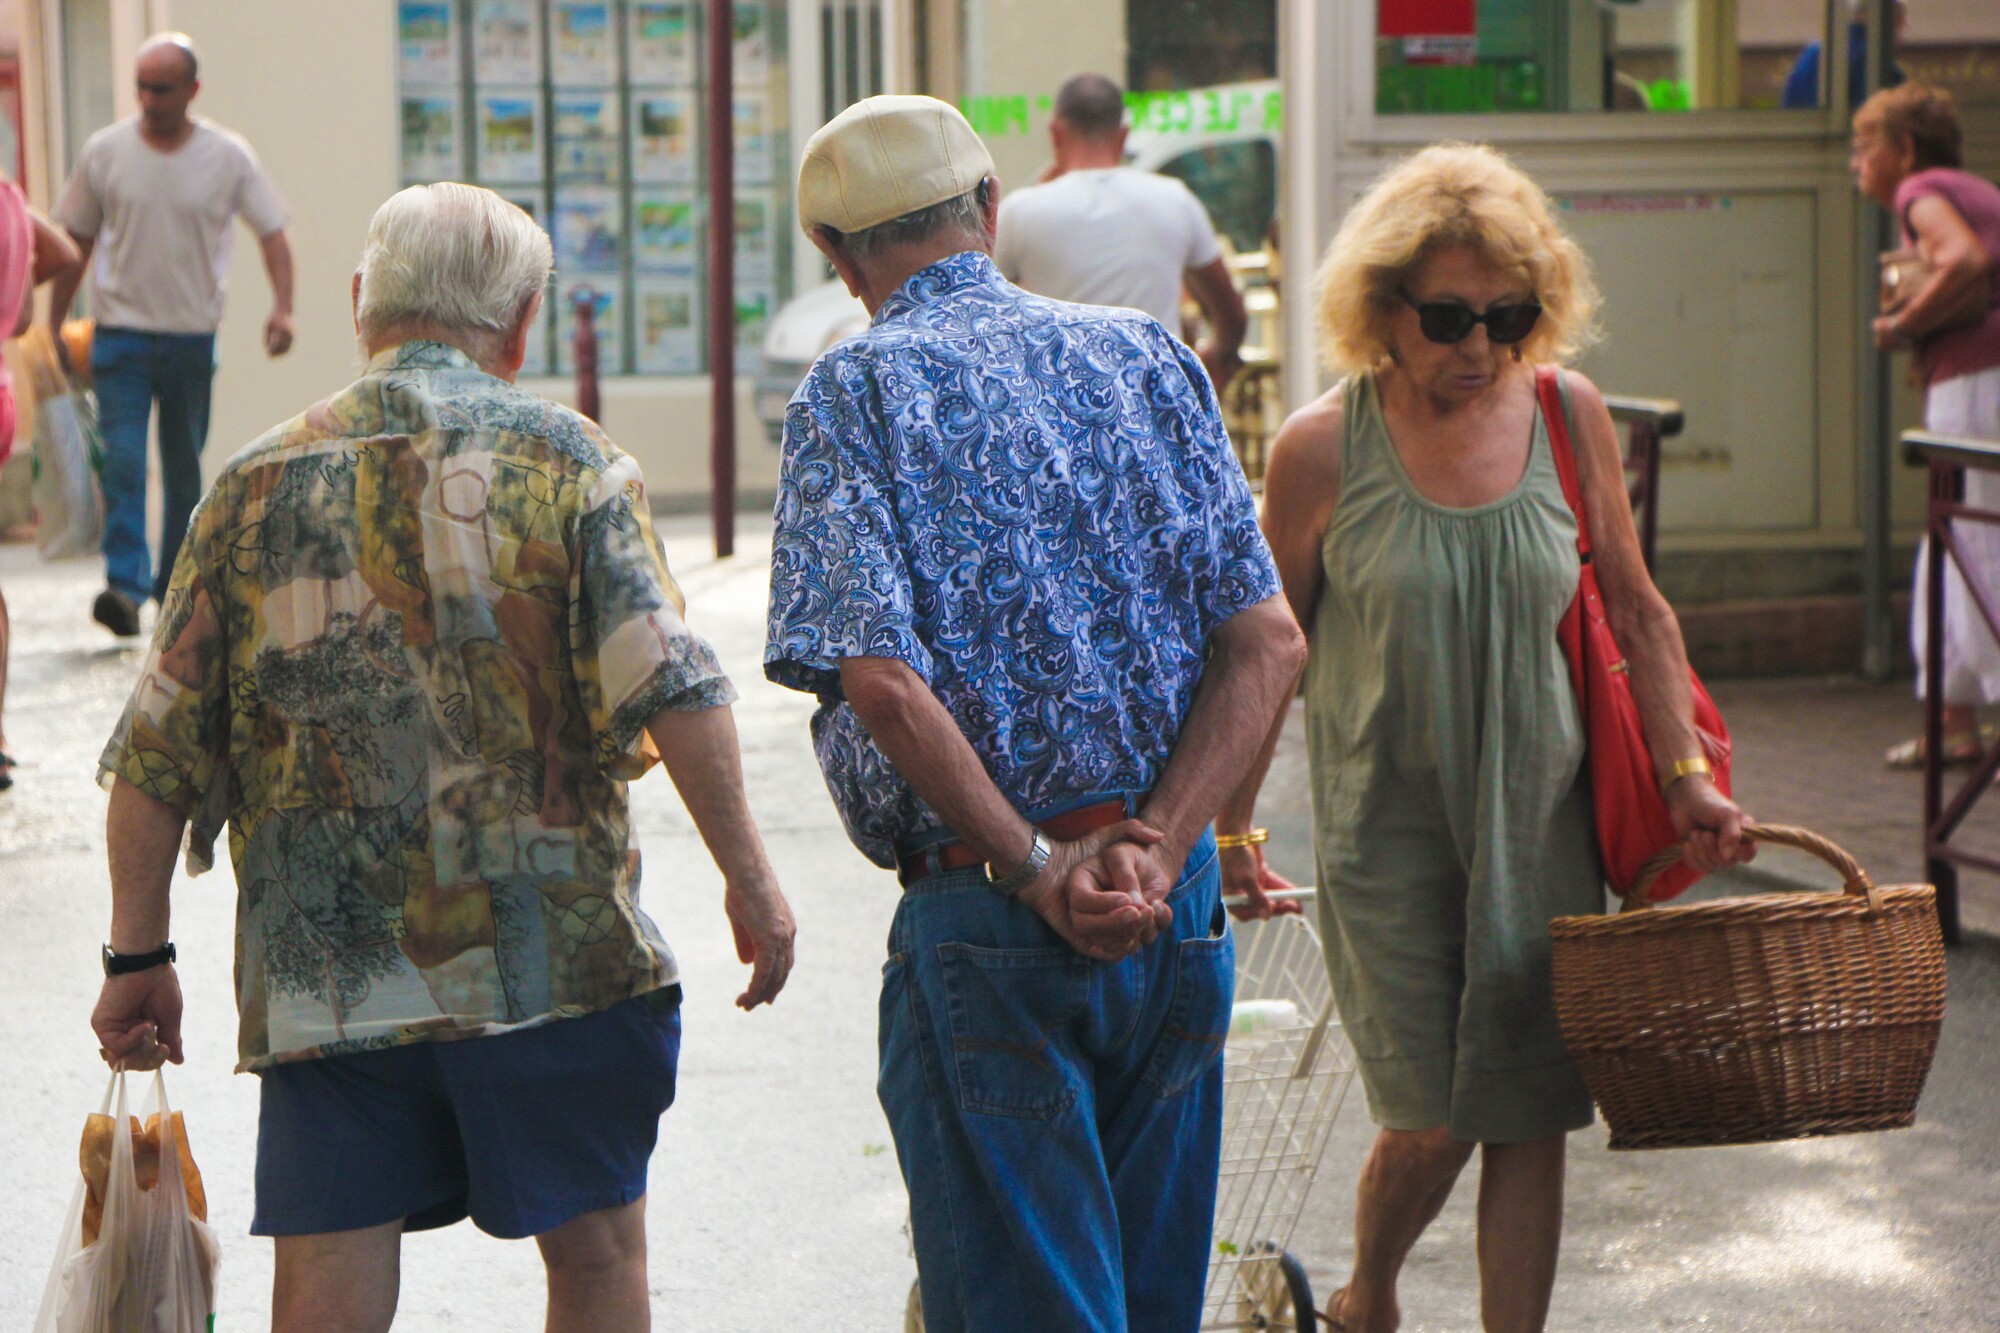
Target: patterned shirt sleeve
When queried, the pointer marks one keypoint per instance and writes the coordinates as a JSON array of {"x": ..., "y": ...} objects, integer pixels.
[
  {"x": 631, "y": 652},
  {"x": 1239, "y": 571},
  {"x": 839, "y": 584},
  {"x": 172, "y": 742}
]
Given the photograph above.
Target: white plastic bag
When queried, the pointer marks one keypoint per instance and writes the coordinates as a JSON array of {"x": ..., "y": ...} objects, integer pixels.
[
  {"x": 69, "y": 506},
  {"x": 152, "y": 1267}
]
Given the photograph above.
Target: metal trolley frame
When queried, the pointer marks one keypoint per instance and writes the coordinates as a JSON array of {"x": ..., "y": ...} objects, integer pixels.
[{"x": 1282, "y": 1086}]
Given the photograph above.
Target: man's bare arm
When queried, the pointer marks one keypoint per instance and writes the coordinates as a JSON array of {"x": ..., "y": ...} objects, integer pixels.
[
  {"x": 62, "y": 293},
  {"x": 700, "y": 751},
  {"x": 1214, "y": 290},
  {"x": 1256, "y": 659},
  {"x": 138, "y": 1015},
  {"x": 278, "y": 265}
]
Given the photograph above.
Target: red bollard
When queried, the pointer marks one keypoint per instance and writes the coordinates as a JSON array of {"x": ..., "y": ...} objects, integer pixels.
[{"x": 583, "y": 349}]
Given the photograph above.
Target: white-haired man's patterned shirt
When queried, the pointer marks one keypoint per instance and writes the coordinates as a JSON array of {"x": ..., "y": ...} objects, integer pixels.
[{"x": 408, "y": 656}]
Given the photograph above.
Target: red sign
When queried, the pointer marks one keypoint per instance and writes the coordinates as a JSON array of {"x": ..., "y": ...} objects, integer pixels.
[{"x": 1426, "y": 18}]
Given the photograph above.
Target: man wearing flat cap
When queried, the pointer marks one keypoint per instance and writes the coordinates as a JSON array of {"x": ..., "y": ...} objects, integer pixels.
[{"x": 1020, "y": 568}]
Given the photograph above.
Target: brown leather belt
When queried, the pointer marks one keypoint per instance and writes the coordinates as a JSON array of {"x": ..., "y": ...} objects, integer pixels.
[{"x": 954, "y": 855}]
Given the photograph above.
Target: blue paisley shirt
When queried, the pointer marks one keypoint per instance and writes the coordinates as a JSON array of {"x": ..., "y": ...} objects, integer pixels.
[{"x": 1032, "y": 504}]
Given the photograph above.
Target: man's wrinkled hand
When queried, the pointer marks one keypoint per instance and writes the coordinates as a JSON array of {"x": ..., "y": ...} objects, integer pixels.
[
  {"x": 765, "y": 931},
  {"x": 138, "y": 1019},
  {"x": 278, "y": 333},
  {"x": 1245, "y": 875},
  {"x": 1095, "y": 918}
]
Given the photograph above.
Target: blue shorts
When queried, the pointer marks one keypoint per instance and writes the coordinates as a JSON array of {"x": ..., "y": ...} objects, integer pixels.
[{"x": 521, "y": 1132}]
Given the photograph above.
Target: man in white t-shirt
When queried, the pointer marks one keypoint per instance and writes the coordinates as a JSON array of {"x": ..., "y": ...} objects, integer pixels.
[
  {"x": 150, "y": 202},
  {"x": 1102, "y": 233}
]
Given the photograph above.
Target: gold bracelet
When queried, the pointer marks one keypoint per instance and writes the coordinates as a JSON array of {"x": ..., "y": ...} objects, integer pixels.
[
  {"x": 1224, "y": 841},
  {"x": 1682, "y": 768}
]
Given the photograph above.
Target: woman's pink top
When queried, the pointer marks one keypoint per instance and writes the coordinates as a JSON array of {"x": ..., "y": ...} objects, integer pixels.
[
  {"x": 1969, "y": 347},
  {"x": 17, "y": 259}
]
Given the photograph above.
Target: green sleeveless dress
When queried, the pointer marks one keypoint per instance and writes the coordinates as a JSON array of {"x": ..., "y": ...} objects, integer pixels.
[{"x": 1451, "y": 803}]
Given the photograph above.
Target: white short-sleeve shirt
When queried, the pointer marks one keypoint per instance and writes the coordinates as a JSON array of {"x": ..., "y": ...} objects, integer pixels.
[
  {"x": 161, "y": 222},
  {"x": 1112, "y": 236}
]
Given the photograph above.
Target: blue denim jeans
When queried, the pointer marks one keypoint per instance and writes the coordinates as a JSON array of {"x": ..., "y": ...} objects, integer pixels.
[
  {"x": 132, "y": 369},
  {"x": 1058, "y": 1121}
]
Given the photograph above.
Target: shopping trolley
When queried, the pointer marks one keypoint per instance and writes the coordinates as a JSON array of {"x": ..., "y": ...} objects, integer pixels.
[{"x": 1286, "y": 1068}]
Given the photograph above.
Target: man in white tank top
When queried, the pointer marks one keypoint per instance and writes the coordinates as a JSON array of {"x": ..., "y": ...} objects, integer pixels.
[{"x": 1101, "y": 233}]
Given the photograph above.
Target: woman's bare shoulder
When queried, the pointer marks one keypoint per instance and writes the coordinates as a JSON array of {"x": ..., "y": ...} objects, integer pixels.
[{"x": 1307, "y": 447}]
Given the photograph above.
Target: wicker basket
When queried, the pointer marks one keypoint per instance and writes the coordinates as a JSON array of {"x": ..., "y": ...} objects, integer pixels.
[{"x": 1748, "y": 1020}]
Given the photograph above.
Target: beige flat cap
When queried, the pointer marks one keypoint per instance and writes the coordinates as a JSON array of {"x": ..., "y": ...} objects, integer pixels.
[{"x": 884, "y": 157}]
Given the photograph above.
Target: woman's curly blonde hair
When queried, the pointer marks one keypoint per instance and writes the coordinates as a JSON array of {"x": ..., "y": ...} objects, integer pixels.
[{"x": 1450, "y": 194}]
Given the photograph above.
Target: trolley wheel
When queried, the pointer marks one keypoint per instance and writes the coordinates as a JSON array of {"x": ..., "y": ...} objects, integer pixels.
[
  {"x": 1277, "y": 1293},
  {"x": 913, "y": 1310}
]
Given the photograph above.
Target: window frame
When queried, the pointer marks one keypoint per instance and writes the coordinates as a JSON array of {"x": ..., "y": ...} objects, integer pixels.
[{"x": 1366, "y": 127}]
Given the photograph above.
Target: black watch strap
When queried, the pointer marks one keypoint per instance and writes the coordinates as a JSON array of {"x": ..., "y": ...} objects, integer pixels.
[{"x": 118, "y": 964}]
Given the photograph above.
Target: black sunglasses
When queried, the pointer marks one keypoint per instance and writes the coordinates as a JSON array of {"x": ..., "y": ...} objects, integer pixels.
[{"x": 1452, "y": 321}]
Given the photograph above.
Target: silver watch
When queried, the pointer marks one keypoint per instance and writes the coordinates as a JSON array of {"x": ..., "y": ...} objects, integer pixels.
[{"x": 1024, "y": 874}]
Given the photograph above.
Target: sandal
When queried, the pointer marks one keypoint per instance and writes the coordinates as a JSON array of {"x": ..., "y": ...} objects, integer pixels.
[
  {"x": 1336, "y": 1322},
  {"x": 6, "y": 770},
  {"x": 1961, "y": 748}
]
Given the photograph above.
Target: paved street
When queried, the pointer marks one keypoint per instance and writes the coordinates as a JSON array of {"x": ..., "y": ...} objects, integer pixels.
[{"x": 776, "y": 1200}]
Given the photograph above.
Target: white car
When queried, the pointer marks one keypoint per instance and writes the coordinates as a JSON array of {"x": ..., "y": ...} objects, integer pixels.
[{"x": 1222, "y": 141}]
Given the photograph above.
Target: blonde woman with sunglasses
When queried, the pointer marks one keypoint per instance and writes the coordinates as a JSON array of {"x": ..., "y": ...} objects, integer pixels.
[{"x": 1421, "y": 532}]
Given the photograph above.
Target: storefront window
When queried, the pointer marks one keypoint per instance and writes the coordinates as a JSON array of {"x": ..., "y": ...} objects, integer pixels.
[
  {"x": 1953, "y": 45},
  {"x": 1661, "y": 56},
  {"x": 587, "y": 114}
]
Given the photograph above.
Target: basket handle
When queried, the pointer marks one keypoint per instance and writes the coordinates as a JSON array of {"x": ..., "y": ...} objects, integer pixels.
[{"x": 1858, "y": 882}]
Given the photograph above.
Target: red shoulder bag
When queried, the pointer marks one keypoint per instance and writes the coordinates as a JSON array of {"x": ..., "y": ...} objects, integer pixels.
[{"x": 1632, "y": 819}]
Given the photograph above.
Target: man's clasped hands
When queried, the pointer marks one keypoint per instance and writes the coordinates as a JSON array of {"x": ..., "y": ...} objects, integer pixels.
[{"x": 1106, "y": 892}]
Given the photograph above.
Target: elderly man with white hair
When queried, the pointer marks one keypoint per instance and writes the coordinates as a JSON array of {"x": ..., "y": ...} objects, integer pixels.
[{"x": 417, "y": 642}]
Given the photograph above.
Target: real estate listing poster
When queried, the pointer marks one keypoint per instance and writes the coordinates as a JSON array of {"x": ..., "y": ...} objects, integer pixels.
[
  {"x": 427, "y": 38},
  {"x": 753, "y": 138},
  {"x": 752, "y": 53},
  {"x": 506, "y": 41},
  {"x": 662, "y": 38},
  {"x": 665, "y": 150},
  {"x": 588, "y": 238},
  {"x": 668, "y": 328},
  {"x": 666, "y": 233},
  {"x": 755, "y": 304},
  {"x": 756, "y": 235},
  {"x": 431, "y": 145},
  {"x": 584, "y": 48},
  {"x": 586, "y": 136},
  {"x": 509, "y": 136}
]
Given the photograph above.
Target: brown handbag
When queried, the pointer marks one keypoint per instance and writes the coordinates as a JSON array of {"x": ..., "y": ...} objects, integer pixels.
[{"x": 1905, "y": 272}]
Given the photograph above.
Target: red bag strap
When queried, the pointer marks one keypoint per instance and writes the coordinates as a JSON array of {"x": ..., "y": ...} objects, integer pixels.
[{"x": 1548, "y": 387}]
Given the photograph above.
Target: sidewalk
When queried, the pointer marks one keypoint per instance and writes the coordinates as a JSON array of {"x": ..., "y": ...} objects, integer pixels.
[{"x": 774, "y": 1191}]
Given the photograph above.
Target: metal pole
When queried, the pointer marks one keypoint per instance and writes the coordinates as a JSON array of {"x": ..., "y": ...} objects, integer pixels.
[
  {"x": 720, "y": 124},
  {"x": 1944, "y": 491},
  {"x": 1875, "y": 411}
]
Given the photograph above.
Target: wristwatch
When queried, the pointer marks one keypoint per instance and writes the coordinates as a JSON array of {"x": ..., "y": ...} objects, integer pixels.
[
  {"x": 1024, "y": 874},
  {"x": 118, "y": 964}
]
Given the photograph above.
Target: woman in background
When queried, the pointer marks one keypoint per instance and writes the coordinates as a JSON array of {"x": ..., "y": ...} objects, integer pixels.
[
  {"x": 32, "y": 251},
  {"x": 1907, "y": 156}
]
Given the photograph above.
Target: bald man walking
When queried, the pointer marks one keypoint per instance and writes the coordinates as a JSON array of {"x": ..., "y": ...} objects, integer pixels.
[{"x": 150, "y": 203}]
